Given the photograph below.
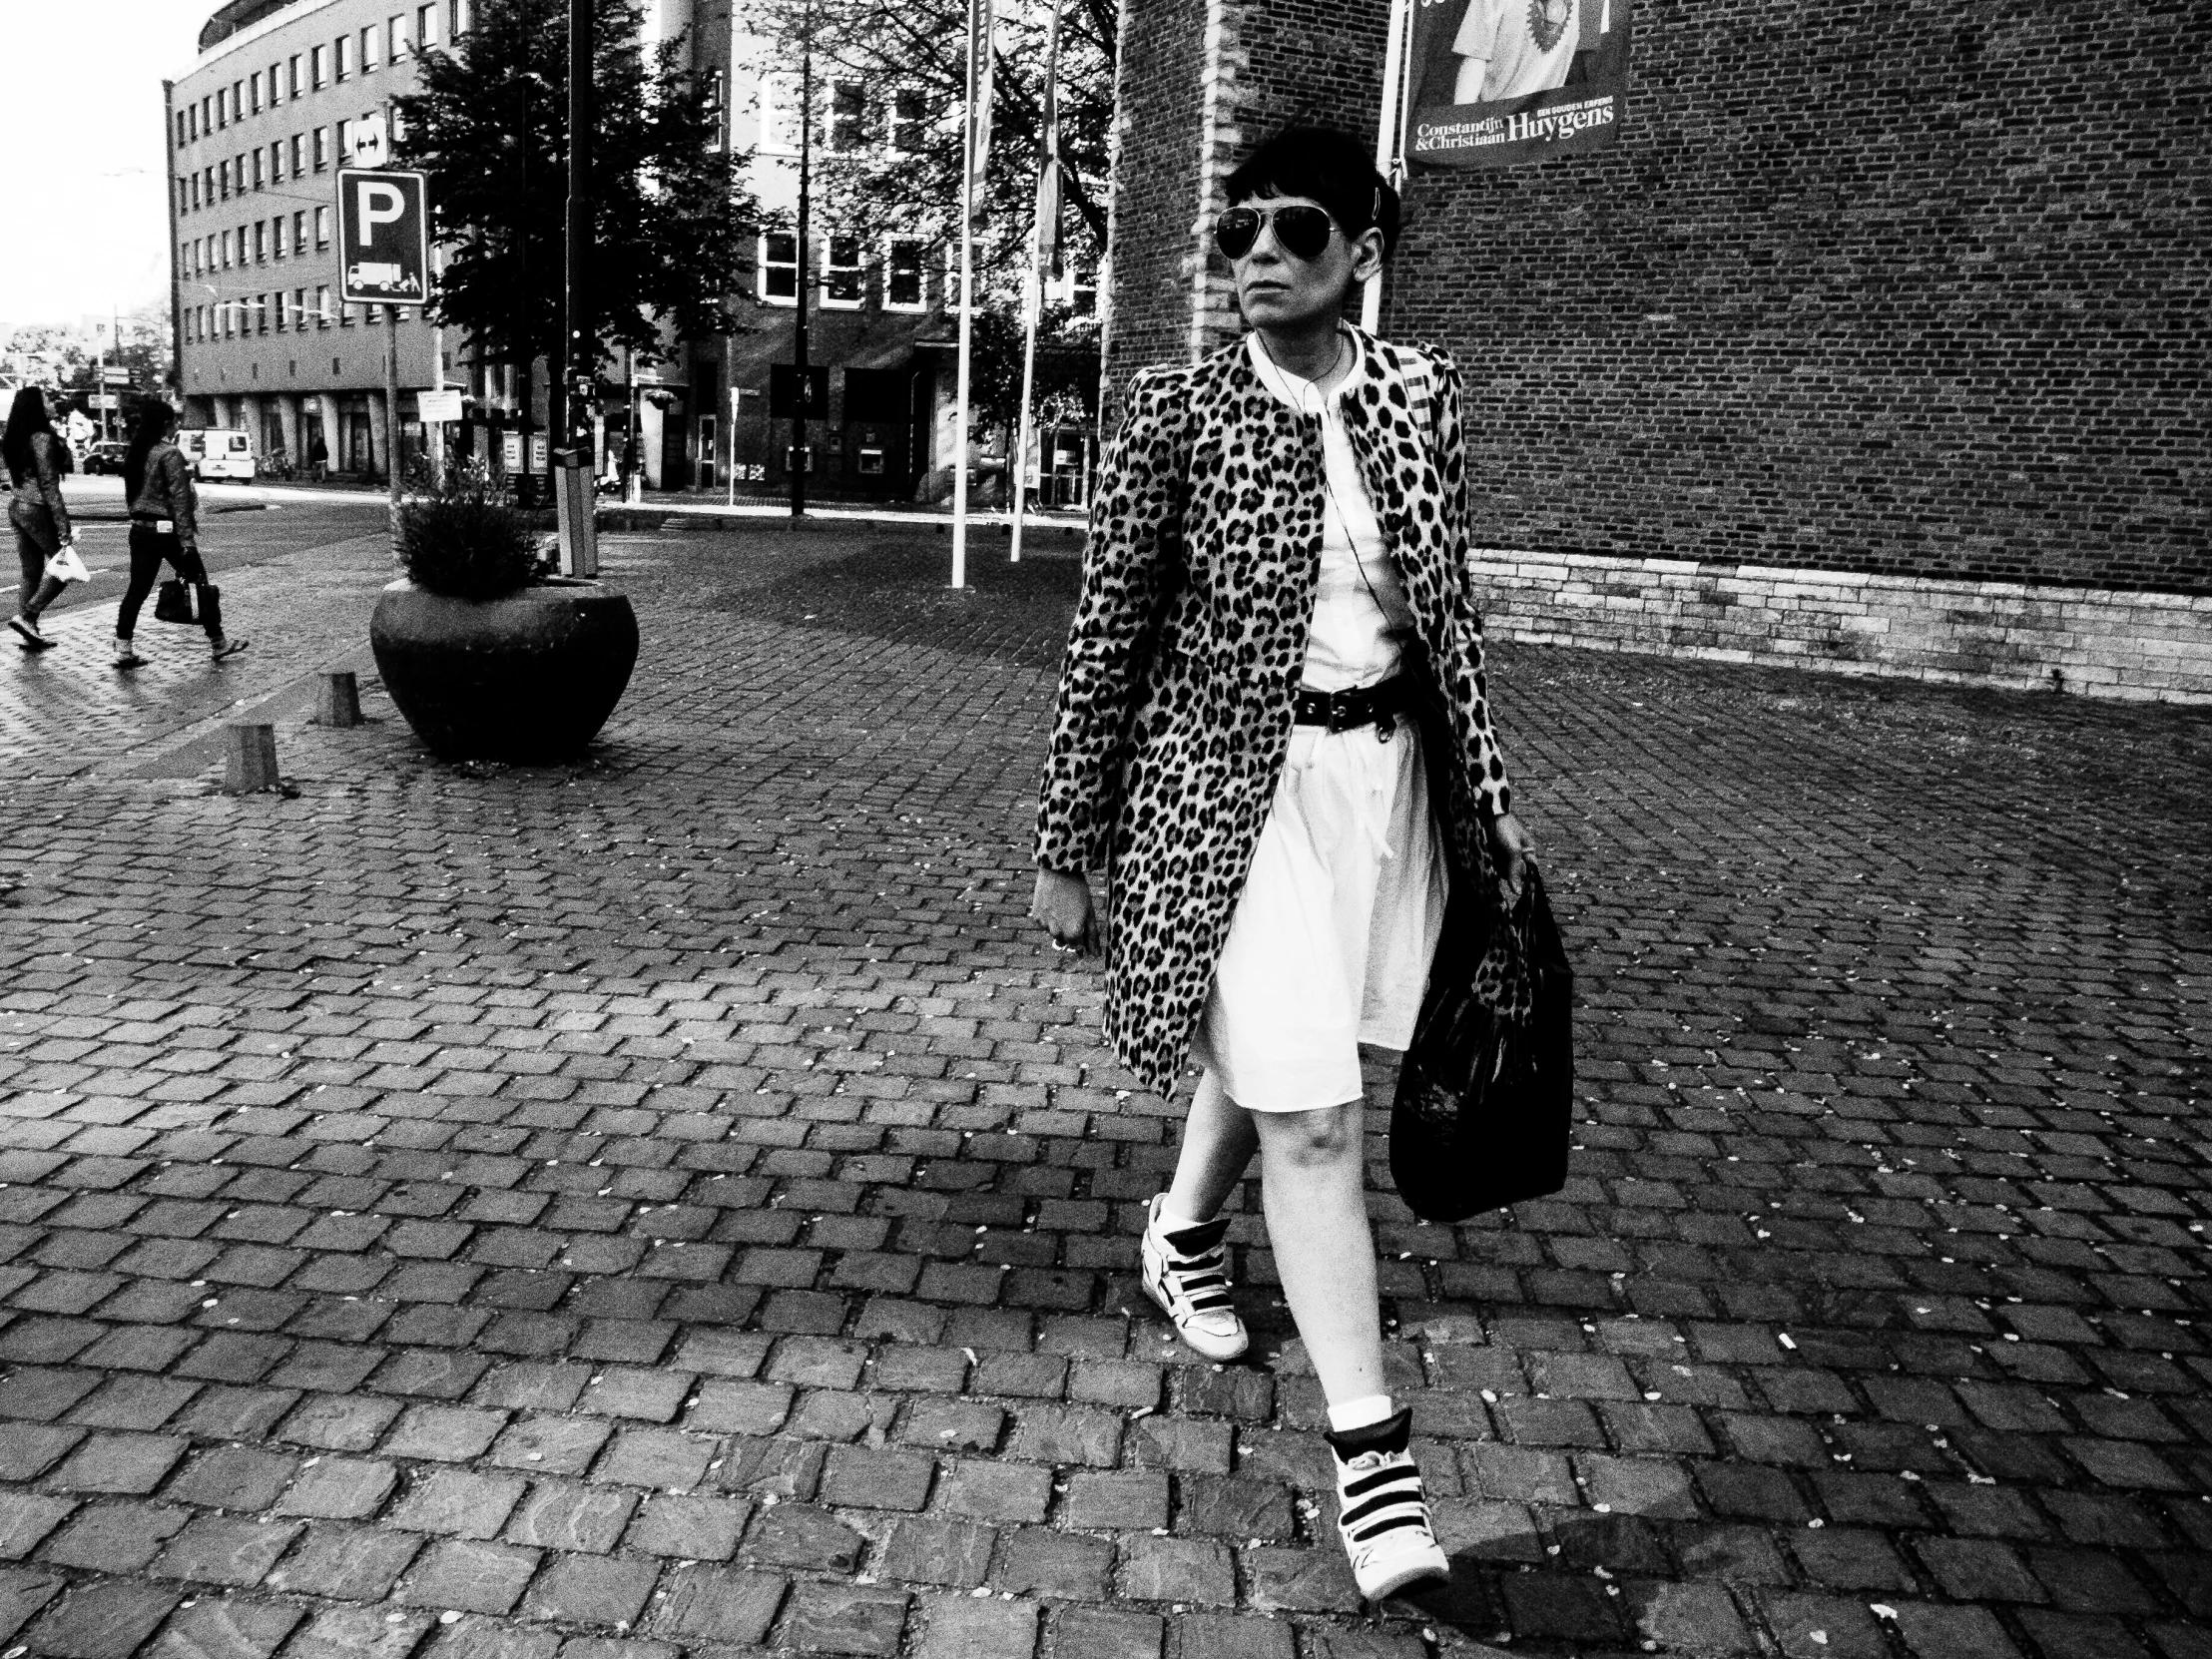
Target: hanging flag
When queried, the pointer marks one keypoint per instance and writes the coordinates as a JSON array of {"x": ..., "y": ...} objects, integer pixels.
[
  {"x": 1048, "y": 177},
  {"x": 982, "y": 58}
]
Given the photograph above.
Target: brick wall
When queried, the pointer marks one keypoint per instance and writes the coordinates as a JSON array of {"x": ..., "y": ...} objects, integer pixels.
[{"x": 1878, "y": 287}]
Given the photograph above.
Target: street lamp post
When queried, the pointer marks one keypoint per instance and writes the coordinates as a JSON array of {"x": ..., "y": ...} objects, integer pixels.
[
  {"x": 802, "y": 385},
  {"x": 580, "y": 367}
]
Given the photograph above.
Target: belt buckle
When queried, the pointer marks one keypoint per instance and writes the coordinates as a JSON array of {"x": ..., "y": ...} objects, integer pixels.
[{"x": 1340, "y": 711}]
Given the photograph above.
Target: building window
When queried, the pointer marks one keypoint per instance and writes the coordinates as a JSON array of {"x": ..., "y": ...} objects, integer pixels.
[
  {"x": 181, "y": 114},
  {"x": 778, "y": 113},
  {"x": 346, "y": 144},
  {"x": 195, "y": 192},
  {"x": 260, "y": 325},
  {"x": 395, "y": 37},
  {"x": 223, "y": 171},
  {"x": 275, "y": 85},
  {"x": 222, "y": 115},
  {"x": 779, "y": 269},
  {"x": 276, "y": 163},
  {"x": 846, "y": 108},
  {"x": 300, "y": 232},
  {"x": 292, "y": 75},
  {"x": 207, "y": 115},
  {"x": 906, "y": 120},
  {"x": 322, "y": 226},
  {"x": 369, "y": 54},
  {"x": 237, "y": 98},
  {"x": 299, "y": 308},
  {"x": 298, "y": 153},
  {"x": 258, "y": 181},
  {"x": 718, "y": 98},
  {"x": 322, "y": 148},
  {"x": 261, "y": 242},
  {"x": 277, "y": 305},
  {"x": 903, "y": 289},
  {"x": 253, "y": 90},
  {"x": 426, "y": 26},
  {"x": 341, "y": 57},
  {"x": 322, "y": 305},
  {"x": 840, "y": 274},
  {"x": 319, "y": 64},
  {"x": 277, "y": 239}
]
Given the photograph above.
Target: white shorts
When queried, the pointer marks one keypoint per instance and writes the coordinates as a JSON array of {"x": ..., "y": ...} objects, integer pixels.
[{"x": 1331, "y": 940}]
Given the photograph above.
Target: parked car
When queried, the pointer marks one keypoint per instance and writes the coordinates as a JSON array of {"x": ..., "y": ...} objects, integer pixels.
[
  {"x": 213, "y": 454},
  {"x": 106, "y": 456}
]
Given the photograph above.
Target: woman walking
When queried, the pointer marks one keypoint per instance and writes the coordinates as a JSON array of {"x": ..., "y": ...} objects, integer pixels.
[
  {"x": 165, "y": 528},
  {"x": 1276, "y": 580},
  {"x": 36, "y": 458}
]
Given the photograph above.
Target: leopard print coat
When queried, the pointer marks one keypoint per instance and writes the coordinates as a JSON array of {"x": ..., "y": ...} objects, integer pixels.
[{"x": 1183, "y": 659}]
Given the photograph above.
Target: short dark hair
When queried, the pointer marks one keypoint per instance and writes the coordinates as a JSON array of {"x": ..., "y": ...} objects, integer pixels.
[{"x": 1333, "y": 167}]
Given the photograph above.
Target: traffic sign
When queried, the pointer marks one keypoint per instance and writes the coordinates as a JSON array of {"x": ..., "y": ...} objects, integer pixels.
[{"x": 383, "y": 237}]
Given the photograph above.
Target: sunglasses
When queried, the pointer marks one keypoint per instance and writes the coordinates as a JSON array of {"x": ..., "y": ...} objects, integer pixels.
[{"x": 1300, "y": 231}]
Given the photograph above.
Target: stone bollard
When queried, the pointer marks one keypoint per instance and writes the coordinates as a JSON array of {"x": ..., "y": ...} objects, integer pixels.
[
  {"x": 337, "y": 699},
  {"x": 250, "y": 760}
]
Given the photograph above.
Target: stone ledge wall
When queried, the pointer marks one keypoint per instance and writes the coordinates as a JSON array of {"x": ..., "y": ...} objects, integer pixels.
[{"x": 2099, "y": 642}]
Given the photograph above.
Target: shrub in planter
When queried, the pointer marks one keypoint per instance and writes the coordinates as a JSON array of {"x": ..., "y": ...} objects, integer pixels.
[{"x": 486, "y": 656}]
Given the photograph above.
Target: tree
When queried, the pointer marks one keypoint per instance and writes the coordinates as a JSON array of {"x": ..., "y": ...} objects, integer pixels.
[
  {"x": 671, "y": 221},
  {"x": 890, "y": 78}
]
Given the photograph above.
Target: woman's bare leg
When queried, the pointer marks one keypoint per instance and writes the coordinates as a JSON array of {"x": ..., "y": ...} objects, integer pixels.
[
  {"x": 1217, "y": 1143},
  {"x": 1313, "y": 1182}
]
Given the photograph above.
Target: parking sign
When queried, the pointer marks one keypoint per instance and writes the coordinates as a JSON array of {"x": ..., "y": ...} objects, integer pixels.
[{"x": 383, "y": 237}]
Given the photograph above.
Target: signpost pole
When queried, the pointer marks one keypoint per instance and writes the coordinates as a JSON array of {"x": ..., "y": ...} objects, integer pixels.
[{"x": 391, "y": 406}]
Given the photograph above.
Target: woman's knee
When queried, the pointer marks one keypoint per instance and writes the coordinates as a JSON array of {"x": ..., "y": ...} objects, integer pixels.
[{"x": 1314, "y": 1140}]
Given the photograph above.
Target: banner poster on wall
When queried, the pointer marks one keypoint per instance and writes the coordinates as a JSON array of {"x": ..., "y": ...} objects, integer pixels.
[{"x": 1495, "y": 82}]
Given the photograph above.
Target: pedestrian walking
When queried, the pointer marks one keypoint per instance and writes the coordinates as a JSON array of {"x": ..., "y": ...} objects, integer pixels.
[
  {"x": 1272, "y": 730},
  {"x": 165, "y": 529},
  {"x": 36, "y": 458}
]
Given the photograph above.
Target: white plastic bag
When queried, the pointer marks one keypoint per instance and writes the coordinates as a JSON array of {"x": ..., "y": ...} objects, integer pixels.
[{"x": 65, "y": 566}]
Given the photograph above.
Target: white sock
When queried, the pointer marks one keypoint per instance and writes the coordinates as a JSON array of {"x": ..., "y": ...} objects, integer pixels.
[
  {"x": 1363, "y": 1412},
  {"x": 1173, "y": 1219}
]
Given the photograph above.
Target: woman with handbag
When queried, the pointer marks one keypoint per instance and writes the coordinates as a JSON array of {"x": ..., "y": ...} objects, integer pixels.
[
  {"x": 1276, "y": 580},
  {"x": 165, "y": 528},
  {"x": 36, "y": 460}
]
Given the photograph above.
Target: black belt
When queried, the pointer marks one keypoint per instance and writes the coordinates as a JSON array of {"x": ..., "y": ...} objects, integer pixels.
[{"x": 1348, "y": 711}]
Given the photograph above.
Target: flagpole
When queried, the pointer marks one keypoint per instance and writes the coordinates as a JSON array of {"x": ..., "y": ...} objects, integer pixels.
[
  {"x": 1386, "y": 140},
  {"x": 968, "y": 310},
  {"x": 1048, "y": 205}
]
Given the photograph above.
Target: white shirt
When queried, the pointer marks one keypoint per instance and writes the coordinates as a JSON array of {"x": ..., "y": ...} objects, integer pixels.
[
  {"x": 1360, "y": 594},
  {"x": 1502, "y": 55}
]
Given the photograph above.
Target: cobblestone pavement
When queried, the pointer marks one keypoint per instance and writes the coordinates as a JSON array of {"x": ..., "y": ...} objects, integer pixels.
[{"x": 674, "y": 1206}]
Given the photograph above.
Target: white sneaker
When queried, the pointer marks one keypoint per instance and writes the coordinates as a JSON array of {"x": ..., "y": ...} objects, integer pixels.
[
  {"x": 1382, "y": 1511},
  {"x": 1187, "y": 1274}
]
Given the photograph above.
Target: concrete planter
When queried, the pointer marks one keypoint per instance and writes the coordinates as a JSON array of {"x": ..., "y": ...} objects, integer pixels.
[{"x": 528, "y": 679}]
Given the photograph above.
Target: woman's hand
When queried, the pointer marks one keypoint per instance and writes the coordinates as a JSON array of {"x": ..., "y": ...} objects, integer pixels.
[
  {"x": 1512, "y": 856},
  {"x": 1062, "y": 905}
]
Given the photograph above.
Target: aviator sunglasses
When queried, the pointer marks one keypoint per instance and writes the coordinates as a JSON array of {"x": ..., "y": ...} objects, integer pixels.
[{"x": 1300, "y": 231}]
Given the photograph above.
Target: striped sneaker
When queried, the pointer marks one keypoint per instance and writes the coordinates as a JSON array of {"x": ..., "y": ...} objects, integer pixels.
[
  {"x": 1382, "y": 1511},
  {"x": 1187, "y": 1274}
]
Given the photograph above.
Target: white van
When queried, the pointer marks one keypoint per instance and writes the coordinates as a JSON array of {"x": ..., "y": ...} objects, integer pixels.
[{"x": 218, "y": 454}]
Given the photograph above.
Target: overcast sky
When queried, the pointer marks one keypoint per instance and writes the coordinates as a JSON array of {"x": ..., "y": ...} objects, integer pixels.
[{"x": 80, "y": 110}]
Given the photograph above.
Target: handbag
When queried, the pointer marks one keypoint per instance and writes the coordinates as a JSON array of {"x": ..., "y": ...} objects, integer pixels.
[
  {"x": 1485, "y": 1103},
  {"x": 174, "y": 603}
]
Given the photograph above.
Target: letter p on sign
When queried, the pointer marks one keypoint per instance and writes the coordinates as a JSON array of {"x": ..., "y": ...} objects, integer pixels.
[
  {"x": 380, "y": 203},
  {"x": 383, "y": 237}
]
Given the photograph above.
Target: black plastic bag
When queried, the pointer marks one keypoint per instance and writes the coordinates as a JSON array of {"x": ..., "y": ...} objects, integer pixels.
[{"x": 1484, "y": 1105}]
